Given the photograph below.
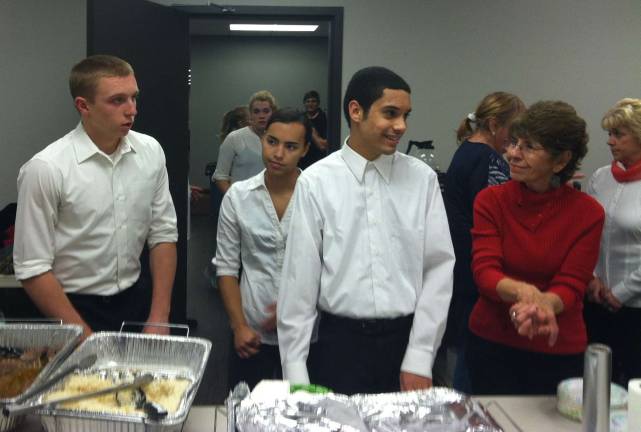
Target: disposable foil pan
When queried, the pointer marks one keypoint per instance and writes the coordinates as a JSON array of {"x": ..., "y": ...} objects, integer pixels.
[
  {"x": 433, "y": 410},
  {"x": 63, "y": 338},
  {"x": 162, "y": 355}
]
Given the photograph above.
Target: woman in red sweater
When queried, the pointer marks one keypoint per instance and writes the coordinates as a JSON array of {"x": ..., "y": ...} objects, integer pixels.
[{"x": 535, "y": 244}]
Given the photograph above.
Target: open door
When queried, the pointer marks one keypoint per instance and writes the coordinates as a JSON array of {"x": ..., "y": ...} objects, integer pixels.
[{"x": 154, "y": 39}]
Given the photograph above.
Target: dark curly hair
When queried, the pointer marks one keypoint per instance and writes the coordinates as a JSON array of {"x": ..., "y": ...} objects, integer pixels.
[{"x": 558, "y": 128}]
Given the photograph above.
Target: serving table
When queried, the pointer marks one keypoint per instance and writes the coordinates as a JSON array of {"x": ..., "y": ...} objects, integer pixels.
[{"x": 530, "y": 413}]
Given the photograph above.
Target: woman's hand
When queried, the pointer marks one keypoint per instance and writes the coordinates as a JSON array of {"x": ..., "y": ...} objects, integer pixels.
[
  {"x": 537, "y": 317},
  {"x": 610, "y": 301},
  {"x": 246, "y": 341},
  {"x": 269, "y": 323},
  {"x": 595, "y": 290}
]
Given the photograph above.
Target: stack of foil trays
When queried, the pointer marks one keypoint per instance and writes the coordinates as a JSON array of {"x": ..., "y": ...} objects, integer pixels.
[{"x": 433, "y": 410}]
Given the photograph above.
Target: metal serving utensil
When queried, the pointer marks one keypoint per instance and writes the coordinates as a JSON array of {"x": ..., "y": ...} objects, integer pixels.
[
  {"x": 83, "y": 363},
  {"x": 18, "y": 409}
]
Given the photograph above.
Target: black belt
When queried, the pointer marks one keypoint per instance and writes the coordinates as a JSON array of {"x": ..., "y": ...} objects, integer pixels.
[{"x": 367, "y": 325}]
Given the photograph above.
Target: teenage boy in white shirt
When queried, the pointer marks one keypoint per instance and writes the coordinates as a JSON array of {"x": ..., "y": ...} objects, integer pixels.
[
  {"x": 88, "y": 203},
  {"x": 369, "y": 249},
  {"x": 252, "y": 233}
]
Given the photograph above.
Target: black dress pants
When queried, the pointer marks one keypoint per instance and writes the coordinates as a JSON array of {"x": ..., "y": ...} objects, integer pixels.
[
  {"x": 265, "y": 364},
  {"x": 621, "y": 331},
  {"x": 497, "y": 369},
  {"x": 106, "y": 313},
  {"x": 361, "y": 356}
]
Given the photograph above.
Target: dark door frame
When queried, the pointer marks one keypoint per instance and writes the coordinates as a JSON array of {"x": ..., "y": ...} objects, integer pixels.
[{"x": 332, "y": 15}]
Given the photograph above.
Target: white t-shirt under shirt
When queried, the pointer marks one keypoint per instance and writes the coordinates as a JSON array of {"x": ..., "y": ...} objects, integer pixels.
[
  {"x": 240, "y": 156},
  {"x": 86, "y": 215},
  {"x": 366, "y": 240}
]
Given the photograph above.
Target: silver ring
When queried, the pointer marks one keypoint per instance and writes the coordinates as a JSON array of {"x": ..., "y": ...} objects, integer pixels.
[{"x": 513, "y": 315}]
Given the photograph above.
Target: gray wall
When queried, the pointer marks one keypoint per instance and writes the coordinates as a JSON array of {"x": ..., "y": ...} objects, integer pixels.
[
  {"x": 39, "y": 42},
  {"x": 453, "y": 52},
  {"x": 226, "y": 71}
]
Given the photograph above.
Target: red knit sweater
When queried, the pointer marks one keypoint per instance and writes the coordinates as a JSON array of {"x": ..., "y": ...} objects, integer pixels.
[{"x": 550, "y": 240}]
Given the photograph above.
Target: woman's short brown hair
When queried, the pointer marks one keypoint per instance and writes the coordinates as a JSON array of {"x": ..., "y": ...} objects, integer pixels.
[
  {"x": 558, "y": 128},
  {"x": 85, "y": 75}
]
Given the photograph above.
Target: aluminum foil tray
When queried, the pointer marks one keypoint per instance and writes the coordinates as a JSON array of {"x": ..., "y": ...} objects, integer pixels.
[
  {"x": 433, "y": 410},
  {"x": 172, "y": 356},
  {"x": 64, "y": 338},
  {"x": 437, "y": 409}
]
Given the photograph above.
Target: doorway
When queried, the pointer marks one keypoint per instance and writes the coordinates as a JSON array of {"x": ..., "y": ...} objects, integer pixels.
[{"x": 225, "y": 70}]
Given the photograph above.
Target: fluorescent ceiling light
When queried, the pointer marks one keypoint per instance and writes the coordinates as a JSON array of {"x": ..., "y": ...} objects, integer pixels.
[{"x": 273, "y": 27}]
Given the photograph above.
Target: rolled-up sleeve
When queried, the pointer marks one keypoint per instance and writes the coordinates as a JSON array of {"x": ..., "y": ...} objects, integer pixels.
[
  {"x": 227, "y": 260},
  {"x": 300, "y": 284},
  {"x": 433, "y": 300},
  {"x": 225, "y": 159},
  {"x": 36, "y": 218},
  {"x": 163, "y": 227}
]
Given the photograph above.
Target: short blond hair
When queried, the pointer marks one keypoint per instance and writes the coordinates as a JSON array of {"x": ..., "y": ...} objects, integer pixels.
[
  {"x": 84, "y": 77},
  {"x": 263, "y": 96},
  {"x": 626, "y": 113}
]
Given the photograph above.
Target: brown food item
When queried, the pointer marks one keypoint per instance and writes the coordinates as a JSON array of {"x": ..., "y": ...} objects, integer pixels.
[{"x": 19, "y": 369}]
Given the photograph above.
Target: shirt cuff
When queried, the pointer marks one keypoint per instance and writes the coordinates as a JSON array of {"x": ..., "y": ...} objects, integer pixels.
[
  {"x": 222, "y": 177},
  {"x": 296, "y": 373},
  {"x": 22, "y": 273},
  {"x": 418, "y": 362},
  {"x": 622, "y": 293}
]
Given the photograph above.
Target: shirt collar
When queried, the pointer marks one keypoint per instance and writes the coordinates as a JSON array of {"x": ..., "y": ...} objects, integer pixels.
[
  {"x": 257, "y": 181},
  {"x": 85, "y": 148},
  {"x": 357, "y": 163}
]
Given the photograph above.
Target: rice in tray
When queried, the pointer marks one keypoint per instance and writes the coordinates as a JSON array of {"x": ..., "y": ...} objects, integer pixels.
[{"x": 165, "y": 391}]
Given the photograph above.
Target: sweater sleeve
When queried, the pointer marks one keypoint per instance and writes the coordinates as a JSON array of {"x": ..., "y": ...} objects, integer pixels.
[
  {"x": 570, "y": 282},
  {"x": 487, "y": 252}
]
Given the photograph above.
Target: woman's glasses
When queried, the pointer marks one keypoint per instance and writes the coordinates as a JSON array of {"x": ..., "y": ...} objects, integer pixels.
[{"x": 526, "y": 147}]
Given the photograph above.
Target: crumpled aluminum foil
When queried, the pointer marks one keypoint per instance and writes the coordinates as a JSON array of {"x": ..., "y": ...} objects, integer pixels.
[
  {"x": 300, "y": 412},
  {"x": 433, "y": 410}
]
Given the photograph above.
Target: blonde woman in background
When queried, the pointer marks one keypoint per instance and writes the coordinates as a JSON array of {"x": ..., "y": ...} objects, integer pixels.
[
  {"x": 477, "y": 164},
  {"x": 240, "y": 156},
  {"x": 613, "y": 312}
]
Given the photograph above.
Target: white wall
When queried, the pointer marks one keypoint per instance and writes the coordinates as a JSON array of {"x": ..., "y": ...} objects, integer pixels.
[
  {"x": 453, "y": 52},
  {"x": 226, "y": 71},
  {"x": 39, "y": 42}
]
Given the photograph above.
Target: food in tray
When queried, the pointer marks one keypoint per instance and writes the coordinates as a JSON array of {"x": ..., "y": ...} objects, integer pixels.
[
  {"x": 20, "y": 367},
  {"x": 165, "y": 392}
]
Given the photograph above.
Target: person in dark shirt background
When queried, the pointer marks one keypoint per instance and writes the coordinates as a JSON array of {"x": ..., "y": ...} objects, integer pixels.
[
  {"x": 477, "y": 163},
  {"x": 317, "y": 117}
]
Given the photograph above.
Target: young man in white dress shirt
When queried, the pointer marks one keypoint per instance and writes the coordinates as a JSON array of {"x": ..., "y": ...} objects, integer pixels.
[
  {"x": 252, "y": 233},
  {"x": 369, "y": 249},
  {"x": 87, "y": 204}
]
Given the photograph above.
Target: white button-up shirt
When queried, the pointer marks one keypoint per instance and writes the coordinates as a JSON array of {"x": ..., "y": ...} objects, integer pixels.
[
  {"x": 619, "y": 265},
  {"x": 367, "y": 240},
  {"x": 250, "y": 234},
  {"x": 86, "y": 215},
  {"x": 240, "y": 156}
]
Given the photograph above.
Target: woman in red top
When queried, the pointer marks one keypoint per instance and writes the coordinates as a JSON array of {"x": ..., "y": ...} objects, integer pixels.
[{"x": 535, "y": 244}]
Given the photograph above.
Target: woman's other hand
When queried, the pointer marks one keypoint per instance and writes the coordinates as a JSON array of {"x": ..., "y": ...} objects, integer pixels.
[
  {"x": 246, "y": 341},
  {"x": 596, "y": 290}
]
